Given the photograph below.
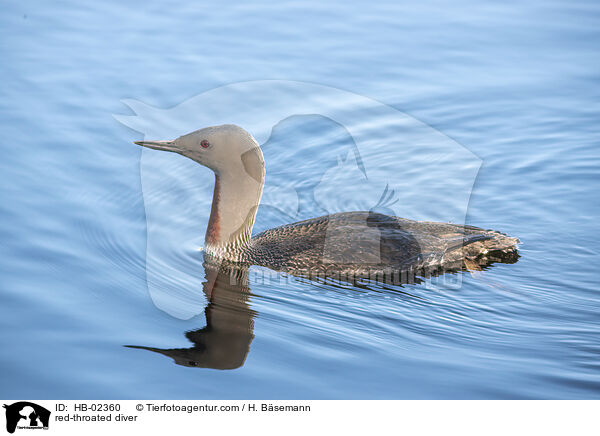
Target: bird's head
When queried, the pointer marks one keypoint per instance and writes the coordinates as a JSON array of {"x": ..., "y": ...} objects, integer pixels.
[{"x": 224, "y": 149}]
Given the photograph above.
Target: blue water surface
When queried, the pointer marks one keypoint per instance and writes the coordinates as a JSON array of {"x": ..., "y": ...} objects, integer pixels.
[{"x": 515, "y": 83}]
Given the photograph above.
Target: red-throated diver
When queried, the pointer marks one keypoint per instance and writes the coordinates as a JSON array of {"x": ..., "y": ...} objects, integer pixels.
[{"x": 358, "y": 244}]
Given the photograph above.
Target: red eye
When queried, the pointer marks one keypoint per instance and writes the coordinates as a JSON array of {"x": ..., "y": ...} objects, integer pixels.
[{"x": 205, "y": 143}]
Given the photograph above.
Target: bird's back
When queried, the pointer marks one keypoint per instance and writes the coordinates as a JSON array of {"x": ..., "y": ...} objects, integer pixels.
[{"x": 367, "y": 243}]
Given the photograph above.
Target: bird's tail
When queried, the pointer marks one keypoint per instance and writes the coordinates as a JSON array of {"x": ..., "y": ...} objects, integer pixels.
[{"x": 491, "y": 247}]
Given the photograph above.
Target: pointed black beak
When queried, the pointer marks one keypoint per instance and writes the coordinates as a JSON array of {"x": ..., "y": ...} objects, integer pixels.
[{"x": 159, "y": 145}]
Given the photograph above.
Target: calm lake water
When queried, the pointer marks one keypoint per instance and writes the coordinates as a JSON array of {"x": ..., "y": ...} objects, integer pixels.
[{"x": 501, "y": 110}]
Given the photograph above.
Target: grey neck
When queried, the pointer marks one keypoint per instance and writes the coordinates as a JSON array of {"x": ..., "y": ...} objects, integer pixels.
[{"x": 236, "y": 198}]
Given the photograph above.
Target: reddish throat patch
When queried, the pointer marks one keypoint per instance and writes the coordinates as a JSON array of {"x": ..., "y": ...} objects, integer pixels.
[{"x": 212, "y": 231}]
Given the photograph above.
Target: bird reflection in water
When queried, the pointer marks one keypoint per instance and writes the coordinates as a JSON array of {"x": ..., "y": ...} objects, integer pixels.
[{"x": 225, "y": 341}]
